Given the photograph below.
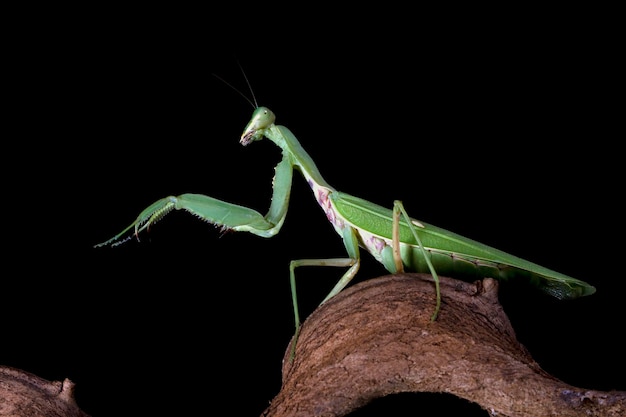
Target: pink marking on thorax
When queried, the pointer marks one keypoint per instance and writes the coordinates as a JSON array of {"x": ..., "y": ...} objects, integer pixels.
[
  {"x": 323, "y": 199},
  {"x": 372, "y": 243}
]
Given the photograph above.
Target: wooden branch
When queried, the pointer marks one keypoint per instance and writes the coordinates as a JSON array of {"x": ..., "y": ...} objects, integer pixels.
[
  {"x": 376, "y": 338},
  {"x": 25, "y": 395}
]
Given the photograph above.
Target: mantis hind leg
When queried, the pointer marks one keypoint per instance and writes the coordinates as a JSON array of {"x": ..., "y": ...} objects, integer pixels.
[{"x": 398, "y": 210}]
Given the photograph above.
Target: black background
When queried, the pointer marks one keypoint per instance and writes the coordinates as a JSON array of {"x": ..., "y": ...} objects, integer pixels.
[{"x": 499, "y": 132}]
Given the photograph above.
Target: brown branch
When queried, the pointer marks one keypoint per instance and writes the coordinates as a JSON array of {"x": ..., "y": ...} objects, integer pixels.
[
  {"x": 376, "y": 338},
  {"x": 26, "y": 395}
]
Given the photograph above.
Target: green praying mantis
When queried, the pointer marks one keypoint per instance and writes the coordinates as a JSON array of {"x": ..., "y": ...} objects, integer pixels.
[{"x": 396, "y": 240}]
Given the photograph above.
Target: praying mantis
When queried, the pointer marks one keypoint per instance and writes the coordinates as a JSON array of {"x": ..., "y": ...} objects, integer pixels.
[{"x": 389, "y": 234}]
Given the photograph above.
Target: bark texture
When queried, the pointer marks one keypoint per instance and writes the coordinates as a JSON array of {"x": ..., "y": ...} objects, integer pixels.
[
  {"x": 25, "y": 395},
  {"x": 376, "y": 338}
]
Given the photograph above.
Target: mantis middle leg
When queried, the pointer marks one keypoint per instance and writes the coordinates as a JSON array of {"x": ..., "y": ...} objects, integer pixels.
[
  {"x": 351, "y": 244},
  {"x": 354, "y": 262}
]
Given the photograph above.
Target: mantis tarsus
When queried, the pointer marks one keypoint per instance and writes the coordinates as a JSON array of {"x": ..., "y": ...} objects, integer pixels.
[{"x": 388, "y": 234}]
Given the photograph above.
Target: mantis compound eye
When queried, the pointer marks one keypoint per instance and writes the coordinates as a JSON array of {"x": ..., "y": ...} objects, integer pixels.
[{"x": 265, "y": 116}]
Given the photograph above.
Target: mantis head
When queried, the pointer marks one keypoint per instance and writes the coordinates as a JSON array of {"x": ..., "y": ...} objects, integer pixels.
[{"x": 262, "y": 118}]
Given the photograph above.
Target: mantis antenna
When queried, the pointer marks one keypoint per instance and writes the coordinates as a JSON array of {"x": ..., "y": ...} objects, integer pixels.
[{"x": 253, "y": 104}]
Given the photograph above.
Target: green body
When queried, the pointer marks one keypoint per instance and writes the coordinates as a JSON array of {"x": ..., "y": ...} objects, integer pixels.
[
  {"x": 452, "y": 254},
  {"x": 418, "y": 246}
]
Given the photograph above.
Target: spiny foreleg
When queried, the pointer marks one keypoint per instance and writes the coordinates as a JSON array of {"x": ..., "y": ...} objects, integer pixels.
[{"x": 225, "y": 215}]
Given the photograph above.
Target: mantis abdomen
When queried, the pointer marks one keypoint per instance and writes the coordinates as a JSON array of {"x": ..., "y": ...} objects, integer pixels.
[{"x": 451, "y": 254}]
